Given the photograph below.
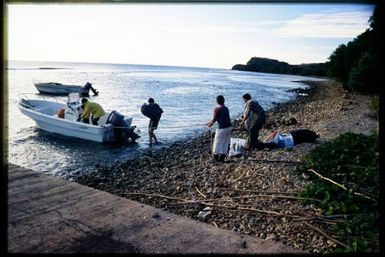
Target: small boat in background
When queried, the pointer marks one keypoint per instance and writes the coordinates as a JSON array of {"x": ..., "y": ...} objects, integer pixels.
[{"x": 54, "y": 88}]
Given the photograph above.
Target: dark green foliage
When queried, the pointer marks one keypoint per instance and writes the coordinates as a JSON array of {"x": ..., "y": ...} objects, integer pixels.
[
  {"x": 377, "y": 23},
  {"x": 353, "y": 161},
  {"x": 267, "y": 65},
  {"x": 338, "y": 65},
  {"x": 357, "y": 64},
  {"x": 345, "y": 57},
  {"x": 309, "y": 69},
  {"x": 361, "y": 77}
]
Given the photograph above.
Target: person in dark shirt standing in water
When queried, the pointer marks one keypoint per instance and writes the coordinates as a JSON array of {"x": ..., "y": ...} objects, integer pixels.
[
  {"x": 223, "y": 132},
  {"x": 154, "y": 112}
]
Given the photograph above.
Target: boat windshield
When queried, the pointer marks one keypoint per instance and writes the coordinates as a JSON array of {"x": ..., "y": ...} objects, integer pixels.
[{"x": 73, "y": 98}]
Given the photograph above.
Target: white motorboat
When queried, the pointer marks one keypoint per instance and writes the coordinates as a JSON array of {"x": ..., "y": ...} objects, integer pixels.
[
  {"x": 62, "y": 118},
  {"x": 54, "y": 88}
]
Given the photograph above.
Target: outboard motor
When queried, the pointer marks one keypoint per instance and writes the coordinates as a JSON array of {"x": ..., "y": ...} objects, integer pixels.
[
  {"x": 123, "y": 131},
  {"x": 88, "y": 86}
]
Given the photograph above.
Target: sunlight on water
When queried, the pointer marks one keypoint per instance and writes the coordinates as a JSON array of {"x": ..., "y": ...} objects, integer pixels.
[{"x": 187, "y": 96}]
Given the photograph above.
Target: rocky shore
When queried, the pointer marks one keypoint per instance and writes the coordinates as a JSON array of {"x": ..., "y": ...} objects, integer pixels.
[{"x": 257, "y": 195}]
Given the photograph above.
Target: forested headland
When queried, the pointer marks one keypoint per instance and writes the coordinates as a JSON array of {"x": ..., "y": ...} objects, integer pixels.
[{"x": 259, "y": 64}]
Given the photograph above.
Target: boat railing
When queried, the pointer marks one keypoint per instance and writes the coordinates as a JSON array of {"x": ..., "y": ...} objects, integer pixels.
[
  {"x": 32, "y": 96},
  {"x": 26, "y": 103}
]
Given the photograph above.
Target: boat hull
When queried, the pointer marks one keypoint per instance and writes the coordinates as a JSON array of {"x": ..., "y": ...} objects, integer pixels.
[
  {"x": 51, "y": 123},
  {"x": 52, "y": 88}
]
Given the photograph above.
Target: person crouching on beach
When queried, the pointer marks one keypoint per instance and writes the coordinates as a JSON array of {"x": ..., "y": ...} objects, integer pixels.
[
  {"x": 253, "y": 119},
  {"x": 223, "y": 132},
  {"x": 154, "y": 112}
]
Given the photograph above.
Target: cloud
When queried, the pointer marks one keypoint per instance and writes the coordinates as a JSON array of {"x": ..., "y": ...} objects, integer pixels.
[{"x": 326, "y": 25}]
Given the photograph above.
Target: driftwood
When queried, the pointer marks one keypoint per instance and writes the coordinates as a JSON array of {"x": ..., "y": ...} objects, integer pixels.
[
  {"x": 215, "y": 205},
  {"x": 325, "y": 235},
  {"x": 215, "y": 224},
  {"x": 340, "y": 185},
  {"x": 321, "y": 219},
  {"x": 154, "y": 195},
  {"x": 257, "y": 192},
  {"x": 340, "y": 215},
  {"x": 276, "y": 161},
  {"x": 250, "y": 209},
  {"x": 245, "y": 197},
  {"x": 204, "y": 196}
]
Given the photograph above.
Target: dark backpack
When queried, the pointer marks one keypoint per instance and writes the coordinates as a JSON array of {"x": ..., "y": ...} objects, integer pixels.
[
  {"x": 303, "y": 136},
  {"x": 152, "y": 111}
]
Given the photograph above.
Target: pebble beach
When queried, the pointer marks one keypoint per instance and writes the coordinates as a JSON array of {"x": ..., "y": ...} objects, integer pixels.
[{"x": 256, "y": 195}]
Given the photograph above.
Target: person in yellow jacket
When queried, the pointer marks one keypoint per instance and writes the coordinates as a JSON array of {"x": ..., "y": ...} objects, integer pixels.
[{"x": 91, "y": 108}]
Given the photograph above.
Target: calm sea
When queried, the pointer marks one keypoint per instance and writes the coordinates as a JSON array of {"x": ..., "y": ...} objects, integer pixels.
[{"x": 187, "y": 96}]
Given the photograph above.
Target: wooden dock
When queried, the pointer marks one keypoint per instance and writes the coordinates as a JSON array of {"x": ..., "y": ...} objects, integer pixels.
[{"x": 48, "y": 214}]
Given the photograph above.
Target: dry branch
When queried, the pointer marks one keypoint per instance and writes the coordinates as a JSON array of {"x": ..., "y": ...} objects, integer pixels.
[
  {"x": 257, "y": 192},
  {"x": 325, "y": 235},
  {"x": 215, "y": 205},
  {"x": 200, "y": 192},
  {"x": 154, "y": 195},
  {"x": 340, "y": 185},
  {"x": 275, "y": 161},
  {"x": 246, "y": 197},
  {"x": 250, "y": 209}
]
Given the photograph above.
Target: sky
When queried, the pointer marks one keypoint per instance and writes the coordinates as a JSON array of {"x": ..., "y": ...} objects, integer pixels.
[{"x": 193, "y": 35}]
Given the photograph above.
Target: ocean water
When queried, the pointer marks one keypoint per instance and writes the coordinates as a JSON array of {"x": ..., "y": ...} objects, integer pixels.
[{"x": 187, "y": 96}]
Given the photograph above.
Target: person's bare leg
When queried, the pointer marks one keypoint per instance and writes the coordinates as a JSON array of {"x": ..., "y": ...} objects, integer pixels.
[
  {"x": 151, "y": 135},
  {"x": 150, "y": 132},
  {"x": 156, "y": 140}
]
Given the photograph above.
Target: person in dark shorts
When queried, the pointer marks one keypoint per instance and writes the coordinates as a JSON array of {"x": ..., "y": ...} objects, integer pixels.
[
  {"x": 290, "y": 139},
  {"x": 153, "y": 111},
  {"x": 253, "y": 119}
]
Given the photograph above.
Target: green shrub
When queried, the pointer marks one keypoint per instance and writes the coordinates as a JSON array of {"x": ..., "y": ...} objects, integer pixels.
[
  {"x": 361, "y": 76},
  {"x": 353, "y": 161},
  {"x": 358, "y": 64}
]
